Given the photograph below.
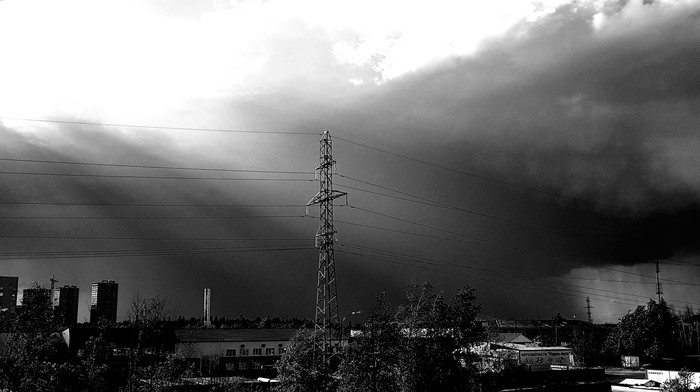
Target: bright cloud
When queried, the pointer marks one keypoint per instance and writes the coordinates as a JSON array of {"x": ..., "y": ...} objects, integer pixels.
[
  {"x": 86, "y": 58},
  {"x": 82, "y": 56},
  {"x": 125, "y": 61}
]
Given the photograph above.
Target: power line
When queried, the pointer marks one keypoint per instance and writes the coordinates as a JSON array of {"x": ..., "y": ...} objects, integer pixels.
[
  {"x": 264, "y": 206},
  {"x": 499, "y": 274},
  {"x": 131, "y": 166},
  {"x": 252, "y": 240},
  {"x": 427, "y": 266},
  {"x": 490, "y": 271},
  {"x": 143, "y": 253},
  {"x": 478, "y": 241},
  {"x": 416, "y": 198},
  {"x": 101, "y": 238},
  {"x": 485, "y": 178},
  {"x": 192, "y": 129},
  {"x": 124, "y": 176},
  {"x": 149, "y": 205},
  {"x": 433, "y": 203},
  {"x": 149, "y": 217}
]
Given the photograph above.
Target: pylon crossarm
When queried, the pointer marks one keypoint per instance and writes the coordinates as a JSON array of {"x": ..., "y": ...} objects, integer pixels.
[{"x": 321, "y": 198}]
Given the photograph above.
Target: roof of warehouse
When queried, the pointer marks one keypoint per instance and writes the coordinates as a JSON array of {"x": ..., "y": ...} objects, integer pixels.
[{"x": 234, "y": 335}]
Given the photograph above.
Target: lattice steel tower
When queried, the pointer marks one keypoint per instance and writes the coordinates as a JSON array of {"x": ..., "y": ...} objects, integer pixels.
[
  {"x": 588, "y": 310},
  {"x": 327, "y": 314}
]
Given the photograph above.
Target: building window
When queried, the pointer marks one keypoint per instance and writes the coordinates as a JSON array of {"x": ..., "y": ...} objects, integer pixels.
[
  {"x": 281, "y": 350},
  {"x": 263, "y": 345},
  {"x": 244, "y": 351},
  {"x": 230, "y": 352},
  {"x": 269, "y": 351},
  {"x": 231, "y": 366},
  {"x": 257, "y": 351},
  {"x": 242, "y": 345}
]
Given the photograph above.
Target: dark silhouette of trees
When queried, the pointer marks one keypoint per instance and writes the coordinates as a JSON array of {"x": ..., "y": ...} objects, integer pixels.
[
  {"x": 424, "y": 345},
  {"x": 651, "y": 331},
  {"x": 301, "y": 368},
  {"x": 371, "y": 361}
]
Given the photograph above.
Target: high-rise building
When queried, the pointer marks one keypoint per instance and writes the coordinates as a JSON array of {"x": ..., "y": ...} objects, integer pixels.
[
  {"x": 36, "y": 296},
  {"x": 8, "y": 299},
  {"x": 56, "y": 297},
  {"x": 67, "y": 308},
  {"x": 103, "y": 301},
  {"x": 36, "y": 309}
]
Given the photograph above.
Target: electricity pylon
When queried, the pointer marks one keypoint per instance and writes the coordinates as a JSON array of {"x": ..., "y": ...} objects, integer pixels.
[
  {"x": 327, "y": 314},
  {"x": 588, "y": 310}
]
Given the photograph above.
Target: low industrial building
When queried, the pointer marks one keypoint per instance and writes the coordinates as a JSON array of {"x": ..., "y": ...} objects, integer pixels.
[
  {"x": 244, "y": 352},
  {"x": 555, "y": 331},
  {"x": 514, "y": 350}
]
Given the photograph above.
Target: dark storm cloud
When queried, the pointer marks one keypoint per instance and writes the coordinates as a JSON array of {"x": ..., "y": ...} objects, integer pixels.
[
  {"x": 567, "y": 108},
  {"x": 598, "y": 112},
  {"x": 594, "y": 110},
  {"x": 602, "y": 113}
]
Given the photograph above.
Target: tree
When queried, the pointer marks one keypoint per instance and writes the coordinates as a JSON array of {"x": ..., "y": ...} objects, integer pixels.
[
  {"x": 301, "y": 368},
  {"x": 650, "y": 331},
  {"x": 371, "y": 361},
  {"x": 32, "y": 358},
  {"x": 684, "y": 383},
  {"x": 425, "y": 345},
  {"x": 147, "y": 316},
  {"x": 146, "y": 312},
  {"x": 437, "y": 338},
  {"x": 587, "y": 349}
]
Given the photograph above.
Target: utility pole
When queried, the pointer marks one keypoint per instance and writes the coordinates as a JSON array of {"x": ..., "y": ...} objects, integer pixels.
[
  {"x": 659, "y": 291},
  {"x": 588, "y": 310},
  {"x": 327, "y": 314}
]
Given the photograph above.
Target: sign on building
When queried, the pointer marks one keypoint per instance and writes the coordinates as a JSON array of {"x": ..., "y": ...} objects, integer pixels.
[
  {"x": 662, "y": 376},
  {"x": 630, "y": 361},
  {"x": 543, "y": 359}
]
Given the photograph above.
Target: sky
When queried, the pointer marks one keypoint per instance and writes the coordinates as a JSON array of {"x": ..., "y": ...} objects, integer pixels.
[{"x": 540, "y": 152}]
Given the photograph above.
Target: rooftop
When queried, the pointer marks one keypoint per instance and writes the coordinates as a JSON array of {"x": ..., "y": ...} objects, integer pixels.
[{"x": 234, "y": 335}]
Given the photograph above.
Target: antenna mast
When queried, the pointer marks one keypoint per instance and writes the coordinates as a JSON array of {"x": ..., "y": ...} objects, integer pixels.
[{"x": 327, "y": 313}]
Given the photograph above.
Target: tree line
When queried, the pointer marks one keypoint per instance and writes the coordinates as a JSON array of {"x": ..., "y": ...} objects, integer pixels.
[
  {"x": 34, "y": 356},
  {"x": 421, "y": 345}
]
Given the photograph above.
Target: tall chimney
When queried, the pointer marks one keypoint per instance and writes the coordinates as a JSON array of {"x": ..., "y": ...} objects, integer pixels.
[{"x": 207, "y": 308}]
